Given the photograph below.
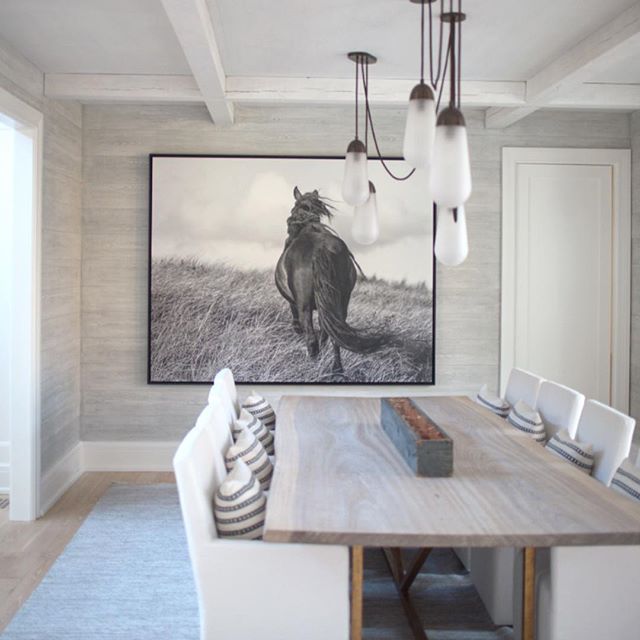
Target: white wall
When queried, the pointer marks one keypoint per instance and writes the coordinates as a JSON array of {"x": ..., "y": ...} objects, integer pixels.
[
  {"x": 635, "y": 270},
  {"x": 117, "y": 404},
  {"x": 61, "y": 229},
  {"x": 6, "y": 187}
]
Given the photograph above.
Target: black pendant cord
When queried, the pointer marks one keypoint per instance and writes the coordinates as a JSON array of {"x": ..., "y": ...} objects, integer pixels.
[
  {"x": 357, "y": 87},
  {"x": 446, "y": 66},
  {"x": 435, "y": 80},
  {"x": 452, "y": 66},
  {"x": 365, "y": 82},
  {"x": 459, "y": 27},
  {"x": 422, "y": 42}
]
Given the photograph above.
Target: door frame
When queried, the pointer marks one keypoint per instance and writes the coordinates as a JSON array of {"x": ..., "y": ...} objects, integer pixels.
[
  {"x": 25, "y": 321},
  {"x": 620, "y": 162}
]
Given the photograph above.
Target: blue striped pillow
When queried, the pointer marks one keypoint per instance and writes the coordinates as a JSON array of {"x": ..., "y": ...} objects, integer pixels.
[
  {"x": 492, "y": 402},
  {"x": 627, "y": 480},
  {"x": 249, "y": 449},
  {"x": 526, "y": 419},
  {"x": 577, "y": 453},
  {"x": 239, "y": 505},
  {"x": 258, "y": 406},
  {"x": 254, "y": 424}
]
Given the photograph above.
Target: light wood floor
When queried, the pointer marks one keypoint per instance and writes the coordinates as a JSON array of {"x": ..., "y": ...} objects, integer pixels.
[{"x": 28, "y": 549}]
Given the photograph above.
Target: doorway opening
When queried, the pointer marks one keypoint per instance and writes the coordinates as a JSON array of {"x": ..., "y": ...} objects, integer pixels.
[{"x": 20, "y": 186}]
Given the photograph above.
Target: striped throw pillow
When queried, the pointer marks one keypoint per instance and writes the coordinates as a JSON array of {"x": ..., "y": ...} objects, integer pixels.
[
  {"x": 492, "y": 402},
  {"x": 259, "y": 407},
  {"x": 523, "y": 417},
  {"x": 577, "y": 453},
  {"x": 239, "y": 505},
  {"x": 254, "y": 424},
  {"x": 627, "y": 480},
  {"x": 250, "y": 450}
]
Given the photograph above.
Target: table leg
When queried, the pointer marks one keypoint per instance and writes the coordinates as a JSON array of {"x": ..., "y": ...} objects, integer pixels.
[
  {"x": 357, "y": 561},
  {"x": 529, "y": 594},
  {"x": 403, "y": 580}
]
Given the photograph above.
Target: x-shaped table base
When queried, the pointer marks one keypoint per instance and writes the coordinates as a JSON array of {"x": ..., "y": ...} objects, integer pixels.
[{"x": 403, "y": 579}]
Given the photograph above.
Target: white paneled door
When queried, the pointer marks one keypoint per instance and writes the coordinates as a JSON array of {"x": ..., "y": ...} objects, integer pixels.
[{"x": 566, "y": 268}]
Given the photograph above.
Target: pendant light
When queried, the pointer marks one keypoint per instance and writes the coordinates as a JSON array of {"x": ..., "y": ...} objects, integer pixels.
[
  {"x": 355, "y": 183},
  {"x": 437, "y": 144},
  {"x": 365, "y": 229},
  {"x": 451, "y": 245},
  {"x": 451, "y": 174},
  {"x": 419, "y": 129}
]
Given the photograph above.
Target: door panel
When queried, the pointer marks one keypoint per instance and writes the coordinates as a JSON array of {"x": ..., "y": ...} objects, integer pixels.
[{"x": 563, "y": 279}]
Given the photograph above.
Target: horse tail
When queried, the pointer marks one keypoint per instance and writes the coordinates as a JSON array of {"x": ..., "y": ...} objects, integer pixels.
[{"x": 329, "y": 299}]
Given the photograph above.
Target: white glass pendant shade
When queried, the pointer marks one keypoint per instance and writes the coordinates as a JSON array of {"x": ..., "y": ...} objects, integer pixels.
[
  {"x": 420, "y": 128},
  {"x": 452, "y": 244},
  {"x": 365, "y": 228},
  {"x": 451, "y": 169},
  {"x": 355, "y": 184}
]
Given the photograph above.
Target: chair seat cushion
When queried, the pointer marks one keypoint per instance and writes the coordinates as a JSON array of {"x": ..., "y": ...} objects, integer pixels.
[
  {"x": 239, "y": 505},
  {"x": 255, "y": 425},
  {"x": 627, "y": 480},
  {"x": 493, "y": 402},
  {"x": 526, "y": 419},
  {"x": 249, "y": 449},
  {"x": 258, "y": 406},
  {"x": 579, "y": 454}
]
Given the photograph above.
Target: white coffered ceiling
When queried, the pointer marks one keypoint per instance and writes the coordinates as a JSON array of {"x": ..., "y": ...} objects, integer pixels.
[{"x": 295, "y": 50}]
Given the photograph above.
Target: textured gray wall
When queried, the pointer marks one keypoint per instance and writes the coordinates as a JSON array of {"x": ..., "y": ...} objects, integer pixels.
[
  {"x": 116, "y": 402},
  {"x": 635, "y": 270},
  {"x": 61, "y": 247}
]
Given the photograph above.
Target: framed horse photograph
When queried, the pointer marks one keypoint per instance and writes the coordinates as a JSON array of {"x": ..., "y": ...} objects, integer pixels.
[{"x": 254, "y": 265}]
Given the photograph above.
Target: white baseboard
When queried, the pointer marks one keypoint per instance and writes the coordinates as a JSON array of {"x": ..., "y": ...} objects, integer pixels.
[
  {"x": 4, "y": 467},
  {"x": 60, "y": 477},
  {"x": 128, "y": 456}
]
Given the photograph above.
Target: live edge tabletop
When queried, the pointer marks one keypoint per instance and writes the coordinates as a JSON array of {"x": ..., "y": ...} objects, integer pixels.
[{"x": 340, "y": 480}]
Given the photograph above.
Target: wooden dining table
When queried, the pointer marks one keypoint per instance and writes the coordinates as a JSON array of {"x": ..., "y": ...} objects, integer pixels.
[{"x": 340, "y": 480}]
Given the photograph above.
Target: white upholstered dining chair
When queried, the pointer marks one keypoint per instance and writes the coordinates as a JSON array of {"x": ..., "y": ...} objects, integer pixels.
[
  {"x": 224, "y": 378},
  {"x": 492, "y": 570},
  {"x": 610, "y": 432},
  {"x": 250, "y": 589},
  {"x": 587, "y": 592},
  {"x": 559, "y": 407},
  {"x": 522, "y": 385}
]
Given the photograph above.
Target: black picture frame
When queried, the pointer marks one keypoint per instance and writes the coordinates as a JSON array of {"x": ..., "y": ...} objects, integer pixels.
[{"x": 151, "y": 381}]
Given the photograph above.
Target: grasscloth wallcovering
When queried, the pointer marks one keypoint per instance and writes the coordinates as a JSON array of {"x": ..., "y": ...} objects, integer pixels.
[
  {"x": 635, "y": 270},
  {"x": 61, "y": 247},
  {"x": 117, "y": 404}
]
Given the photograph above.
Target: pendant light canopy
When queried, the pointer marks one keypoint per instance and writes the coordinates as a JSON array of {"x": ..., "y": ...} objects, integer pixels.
[
  {"x": 451, "y": 245},
  {"x": 365, "y": 229},
  {"x": 438, "y": 144}
]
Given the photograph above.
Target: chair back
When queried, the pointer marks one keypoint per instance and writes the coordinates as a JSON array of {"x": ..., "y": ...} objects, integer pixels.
[
  {"x": 218, "y": 397},
  {"x": 559, "y": 407},
  {"x": 610, "y": 432},
  {"x": 214, "y": 420},
  {"x": 224, "y": 378},
  {"x": 199, "y": 470},
  {"x": 522, "y": 385}
]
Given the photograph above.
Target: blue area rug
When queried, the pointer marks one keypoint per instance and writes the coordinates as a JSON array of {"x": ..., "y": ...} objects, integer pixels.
[{"x": 125, "y": 575}]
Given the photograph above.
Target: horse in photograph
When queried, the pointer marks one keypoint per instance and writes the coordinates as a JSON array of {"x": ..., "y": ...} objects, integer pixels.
[{"x": 316, "y": 271}]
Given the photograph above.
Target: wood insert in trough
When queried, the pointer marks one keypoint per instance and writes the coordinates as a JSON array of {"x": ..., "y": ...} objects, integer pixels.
[{"x": 425, "y": 447}]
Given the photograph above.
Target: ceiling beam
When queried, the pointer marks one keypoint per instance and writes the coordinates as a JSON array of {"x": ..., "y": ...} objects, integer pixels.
[
  {"x": 104, "y": 87},
  {"x": 596, "y": 53},
  {"x": 110, "y": 88},
  {"x": 381, "y": 91},
  {"x": 192, "y": 24}
]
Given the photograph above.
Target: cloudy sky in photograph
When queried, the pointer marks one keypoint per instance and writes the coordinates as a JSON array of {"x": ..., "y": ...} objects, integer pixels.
[{"x": 234, "y": 210}]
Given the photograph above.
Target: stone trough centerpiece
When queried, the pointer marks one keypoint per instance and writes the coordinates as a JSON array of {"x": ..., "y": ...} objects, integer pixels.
[{"x": 425, "y": 447}]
